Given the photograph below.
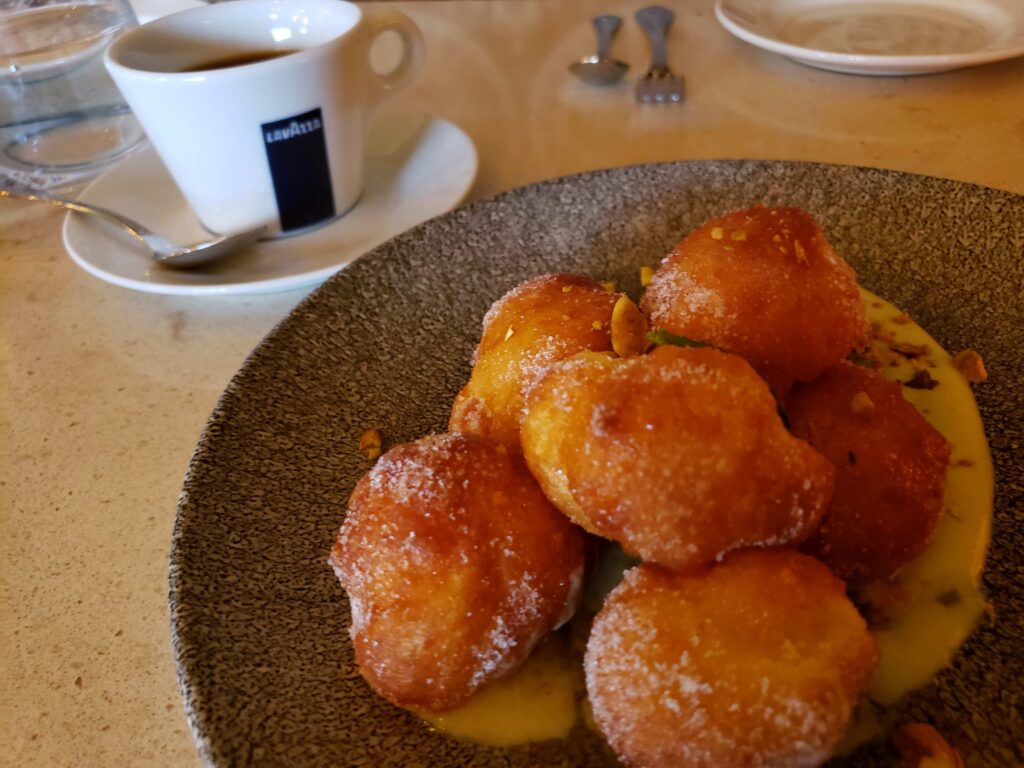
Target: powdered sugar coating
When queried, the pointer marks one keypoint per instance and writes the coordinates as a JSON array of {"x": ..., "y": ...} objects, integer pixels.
[
  {"x": 679, "y": 455},
  {"x": 755, "y": 662},
  {"x": 763, "y": 283},
  {"x": 538, "y": 323},
  {"x": 455, "y": 565}
]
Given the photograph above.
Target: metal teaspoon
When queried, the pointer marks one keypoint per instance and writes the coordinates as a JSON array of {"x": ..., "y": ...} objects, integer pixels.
[{"x": 164, "y": 252}]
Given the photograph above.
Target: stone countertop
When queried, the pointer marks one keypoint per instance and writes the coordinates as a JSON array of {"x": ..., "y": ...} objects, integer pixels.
[{"x": 106, "y": 390}]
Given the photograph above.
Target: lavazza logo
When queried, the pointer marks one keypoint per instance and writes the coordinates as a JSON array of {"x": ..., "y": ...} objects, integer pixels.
[{"x": 293, "y": 129}]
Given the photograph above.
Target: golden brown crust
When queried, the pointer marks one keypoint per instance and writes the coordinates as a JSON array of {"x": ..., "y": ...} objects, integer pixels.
[
  {"x": 757, "y": 661},
  {"x": 536, "y": 324},
  {"x": 680, "y": 455},
  {"x": 763, "y": 283},
  {"x": 455, "y": 565},
  {"x": 890, "y": 471}
]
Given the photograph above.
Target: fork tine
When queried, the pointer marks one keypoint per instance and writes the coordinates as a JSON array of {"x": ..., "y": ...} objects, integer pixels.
[
  {"x": 659, "y": 87},
  {"x": 671, "y": 89}
]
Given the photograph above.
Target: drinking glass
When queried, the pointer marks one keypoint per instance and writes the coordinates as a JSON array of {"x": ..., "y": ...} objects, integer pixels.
[{"x": 61, "y": 116}]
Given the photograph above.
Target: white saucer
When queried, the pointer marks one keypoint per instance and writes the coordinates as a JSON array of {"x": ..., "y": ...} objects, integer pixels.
[
  {"x": 880, "y": 37},
  {"x": 417, "y": 168}
]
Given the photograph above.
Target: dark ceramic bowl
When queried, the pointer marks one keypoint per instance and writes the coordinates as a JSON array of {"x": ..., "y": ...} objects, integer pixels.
[{"x": 259, "y": 622}]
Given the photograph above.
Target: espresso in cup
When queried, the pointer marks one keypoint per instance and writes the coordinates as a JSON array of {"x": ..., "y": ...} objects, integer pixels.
[
  {"x": 237, "y": 60},
  {"x": 257, "y": 107}
]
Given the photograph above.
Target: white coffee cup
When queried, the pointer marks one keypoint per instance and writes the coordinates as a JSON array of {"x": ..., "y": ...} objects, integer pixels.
[{"x": 275, "y": 142}]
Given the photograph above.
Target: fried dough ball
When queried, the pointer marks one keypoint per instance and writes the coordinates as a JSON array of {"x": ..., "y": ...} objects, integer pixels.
[
  {"x": 679, "y": 455},
  {"x": 533, "y": 326},
  {"x": 757, "y": 661},
  {"x": 455, "y": 566},
  {"x": 763, "y": 283},
  {"x": 890, "y": 470}
]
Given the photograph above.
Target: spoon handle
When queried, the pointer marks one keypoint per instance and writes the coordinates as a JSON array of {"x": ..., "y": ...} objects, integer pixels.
[
  {"x": 606, "y": 27},
  {"x": 136, "y": 230},
  {"x": 655, "y": 21}
]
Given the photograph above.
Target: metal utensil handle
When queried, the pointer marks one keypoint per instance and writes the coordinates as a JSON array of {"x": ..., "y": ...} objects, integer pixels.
[
  {"x": 606, "y": 27},
  {"x": 655, "y": 21},
  {"x": 137, "y": 230}
]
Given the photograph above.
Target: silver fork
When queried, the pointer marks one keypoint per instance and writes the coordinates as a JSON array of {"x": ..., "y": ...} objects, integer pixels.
[{"x": 658, "y": 84}]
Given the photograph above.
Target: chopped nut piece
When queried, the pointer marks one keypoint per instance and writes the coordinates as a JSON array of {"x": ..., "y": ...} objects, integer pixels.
[
  {"x": 646, "y": 273},
  {"x": 609, "y": 286},
  {"x": 739, "y": 234},
  {"x": 879, "y": 332},
  {"x": 921, "y": 380},
  {"x": 597, "y": 325},
  {"x": 370, "y": 443},
  {"x": 508, "y": 333},
  {"x": 971, "y": 366},
  {"x": 629, "y": 328},
  {"x": 909, "y": 351},
  {"x": 717, "y": 233},
  {"x": 566, "y": 288},
  {"x": 921, "y": 746},
  {"x": 801, "y": 254},
  {"x": 660, "y": 337},
  {"x": 865, "y": 358},
  {"x": 776, "y": 239},
  {"x": 860, "y": 404}
]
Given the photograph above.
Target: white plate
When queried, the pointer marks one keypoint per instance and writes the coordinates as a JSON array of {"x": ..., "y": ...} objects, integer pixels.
[
  {"x": 875, "y": 37},
  {"x": 418, "y": 168}
]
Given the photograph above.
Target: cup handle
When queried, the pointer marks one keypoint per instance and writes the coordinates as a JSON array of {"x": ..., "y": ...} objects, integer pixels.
[{"x": 380, "y": 21}]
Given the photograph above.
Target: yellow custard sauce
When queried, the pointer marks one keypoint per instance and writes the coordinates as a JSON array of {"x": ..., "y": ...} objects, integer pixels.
[
  {"x": 920, "y": 617},
  {"x": 537, "y": 702},
  {"x": 938, "y": 596}
]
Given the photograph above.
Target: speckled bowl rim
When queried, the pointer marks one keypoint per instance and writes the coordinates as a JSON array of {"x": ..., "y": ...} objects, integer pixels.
[{"x": 210, "y": 737}]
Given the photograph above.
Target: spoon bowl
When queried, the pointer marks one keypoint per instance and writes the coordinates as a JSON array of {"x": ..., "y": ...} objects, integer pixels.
[
  {"x": 165, "y": 253},
  {"x": 599, "y": 71}
]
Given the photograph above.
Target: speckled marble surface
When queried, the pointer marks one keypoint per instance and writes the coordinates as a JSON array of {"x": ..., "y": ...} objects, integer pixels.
[
  {"x": 259, "y": 621},
  {"x": 105, "y": 392}
]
